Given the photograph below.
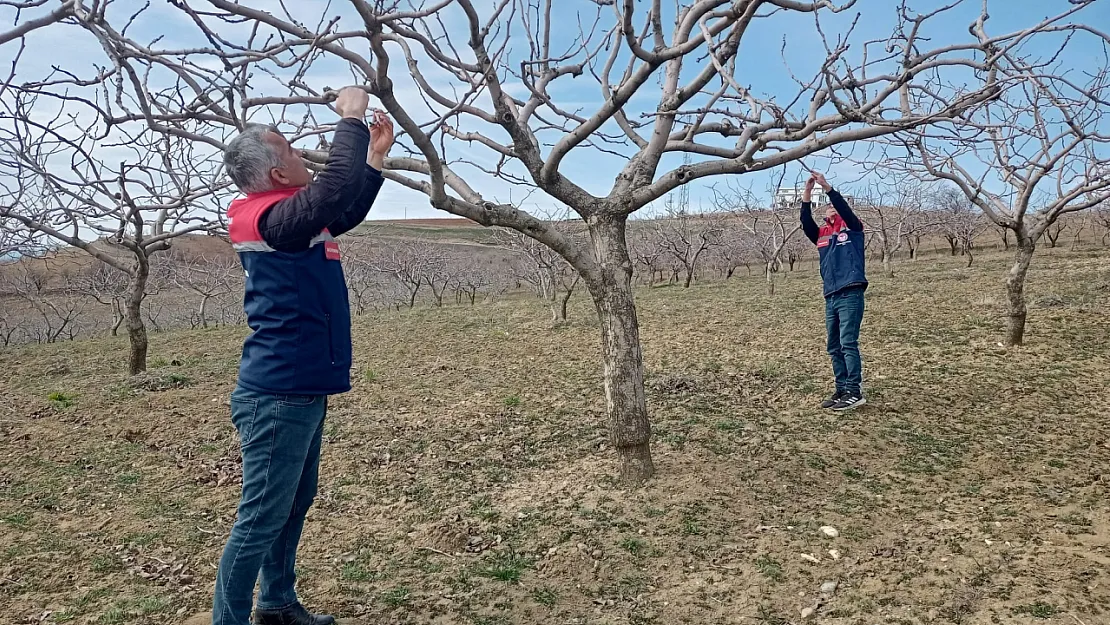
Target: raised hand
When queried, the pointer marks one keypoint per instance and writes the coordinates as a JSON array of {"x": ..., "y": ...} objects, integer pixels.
[
  {"x": 381, "y": 138},
  {"x": 820, "y": 179},
  {"x": 352, "y": 102},
  {"x": 381, "y": 133}
]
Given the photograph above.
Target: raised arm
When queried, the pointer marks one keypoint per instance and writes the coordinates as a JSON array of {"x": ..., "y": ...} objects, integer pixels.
[
  {"x": 845, "y": 211},
  {"x": 809, "y": 227},
  {"x": 840, "y": 204},
  {"x": 381, "y": 138},
  {"x": 360, "y": 208},
  {"x": 292, "y": 223}
]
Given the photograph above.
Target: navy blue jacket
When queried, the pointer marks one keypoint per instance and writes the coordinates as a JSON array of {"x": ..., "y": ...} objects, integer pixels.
[
  {"x": 296, "y": 294},
  {"x": 840, "y": 245}
]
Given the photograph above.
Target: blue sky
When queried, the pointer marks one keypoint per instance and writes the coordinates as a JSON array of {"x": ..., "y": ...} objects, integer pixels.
[{"x": 764, "y": 66}]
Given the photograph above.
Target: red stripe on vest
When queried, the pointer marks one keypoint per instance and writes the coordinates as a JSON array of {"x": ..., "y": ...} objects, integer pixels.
[{"x": 244, "y": 213}]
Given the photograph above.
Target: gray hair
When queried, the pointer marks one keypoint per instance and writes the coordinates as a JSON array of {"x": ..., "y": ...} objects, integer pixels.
[{"x": 249, "y": 159}]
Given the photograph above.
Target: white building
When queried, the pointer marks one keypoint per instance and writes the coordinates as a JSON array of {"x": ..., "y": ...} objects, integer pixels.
[{"x": 791, "y": 197}]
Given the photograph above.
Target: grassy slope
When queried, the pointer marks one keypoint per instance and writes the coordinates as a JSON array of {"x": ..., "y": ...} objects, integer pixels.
[{"x": 466, "y": 480}]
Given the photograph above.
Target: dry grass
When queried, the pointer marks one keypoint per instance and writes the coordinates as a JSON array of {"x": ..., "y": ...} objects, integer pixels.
[{"x": 466, "y": 479}]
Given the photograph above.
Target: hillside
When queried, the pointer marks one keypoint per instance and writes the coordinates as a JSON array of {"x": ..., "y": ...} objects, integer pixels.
[{"x": 467, "y": 480}]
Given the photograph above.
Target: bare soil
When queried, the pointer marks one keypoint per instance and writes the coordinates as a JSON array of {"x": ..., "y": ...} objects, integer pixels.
[{"x": 467, "y": 479}]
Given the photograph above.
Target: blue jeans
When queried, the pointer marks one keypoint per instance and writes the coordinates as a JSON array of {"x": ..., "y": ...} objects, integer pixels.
[
  {"x": 843, "y": 316},
  {"x": 280, "y": 440}
]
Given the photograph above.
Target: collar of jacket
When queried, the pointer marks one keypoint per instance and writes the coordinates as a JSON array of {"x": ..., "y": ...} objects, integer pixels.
[
  {"x": 275, "y": 194},
  {"x": 836, "y": 224}
]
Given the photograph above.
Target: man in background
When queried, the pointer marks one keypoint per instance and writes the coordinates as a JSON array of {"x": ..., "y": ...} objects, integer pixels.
[
  {"x": 839, "y": 240},
  {"x": 299, "y": 352}
]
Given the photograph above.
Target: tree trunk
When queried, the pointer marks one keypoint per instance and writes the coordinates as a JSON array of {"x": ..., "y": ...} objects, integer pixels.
[
  {"x": 203, "y": 312},
  {"x": 888, "y": 264},
  {"x": 1015, "y": 289},
  {"x": 136, "y": 330},
  {"x": 610, "y": 287},
  {"x": 563, "y": 307},
  {"x": 770, "y": 278},
  {"x": 689, "y": 277},
  {"x": 117, "y": 321}
]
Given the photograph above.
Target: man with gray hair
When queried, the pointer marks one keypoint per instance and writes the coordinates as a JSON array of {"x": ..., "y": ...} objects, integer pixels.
[{"x": 299, "y": 350}]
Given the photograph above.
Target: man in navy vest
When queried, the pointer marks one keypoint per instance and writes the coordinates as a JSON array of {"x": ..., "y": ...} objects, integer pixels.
[
  {"x": 299, "y": 350},
  {"x": 839, "y": 242}
]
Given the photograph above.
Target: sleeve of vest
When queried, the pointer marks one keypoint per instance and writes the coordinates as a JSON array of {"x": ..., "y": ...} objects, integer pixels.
[
  {"x": 361, "y": 207},
  {"x": 289, "y": 225}
]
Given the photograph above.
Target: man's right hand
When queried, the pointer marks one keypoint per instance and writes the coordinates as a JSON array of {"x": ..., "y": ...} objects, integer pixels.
[
  {"x": 807, "y": 195},
  {"x": 819, "y": 178},
  {"x": 352, "y": 102}
]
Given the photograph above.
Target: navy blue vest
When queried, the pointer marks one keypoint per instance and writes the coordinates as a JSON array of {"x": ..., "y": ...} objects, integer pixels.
[
  {"x": 842, "y": 257},
  {"x": 296, "y": 305}
]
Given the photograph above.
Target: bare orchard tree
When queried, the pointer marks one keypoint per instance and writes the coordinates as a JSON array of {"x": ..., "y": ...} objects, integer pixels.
[
  {"x": 1052, "y": 233},
  {"x": 685, "y": 239},
  {"x": 551, "y": 276},
  {"x": 474, "y": 274},
  {"x": 54, "y": 310},
  {"x": 107, "y": 287},
  {"x": 956, "y": 219},
  {"x": 1101, "y": 218},
  {"x": 207, "y": 277},
  {"x": 892, "y": 212},
  {"x": 664, "y": 83},
  {"x": 646, "y": 252},
  {"x": 54, "y": 181},
  {"x": 736, "y": 250},
  {"x": 363, "y": 277},
  {"x": 795, "y": 250},
  {"x": 438, "y": 272},
  {"x": 1047, "y": 143},
  {"x": 1004, "y": 234},
  {"x": 768, "y": 229}
]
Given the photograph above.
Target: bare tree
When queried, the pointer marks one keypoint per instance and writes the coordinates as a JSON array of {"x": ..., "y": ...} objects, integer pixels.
[
  {"x": 1101, "y": 217},
  {"x": 1053, "y": 231},
  {"x": 736, "y": 250},
  {"x": 768, "y": 229},
  {"x": 647, "y": 253},
  {"x": 1004, "y": 234},
  {"x": 550, "y": 275},
  {"x": 155, "y": 192},
  {"x": 56, "y": 309},
  {"x": 958, "y": 220},
  {"x": 892, "y": 212},
  {"x": 403, "y": 260},
  {"x": 490, "y": 109},
  {"x": 107, "y": 287},
  {"x": 363, "y": 276},
  {"x": 1048, "y": 131},
  {"x": 472, "y": 276},
  {"x": 437, "y": 271},
  {"x": 685, "y": 238},
  {"x": 208, "y": 277}
]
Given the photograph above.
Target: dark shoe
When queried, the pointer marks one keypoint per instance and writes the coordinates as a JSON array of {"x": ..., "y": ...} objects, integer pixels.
[
  {"x": 295, "y": 614},
  {"x": 850, "y": 401},
  {"x": 832, "y": 401}
]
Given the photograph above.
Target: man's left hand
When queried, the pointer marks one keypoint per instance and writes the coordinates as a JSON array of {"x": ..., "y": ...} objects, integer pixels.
[{"x": 381, "y": 138}]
